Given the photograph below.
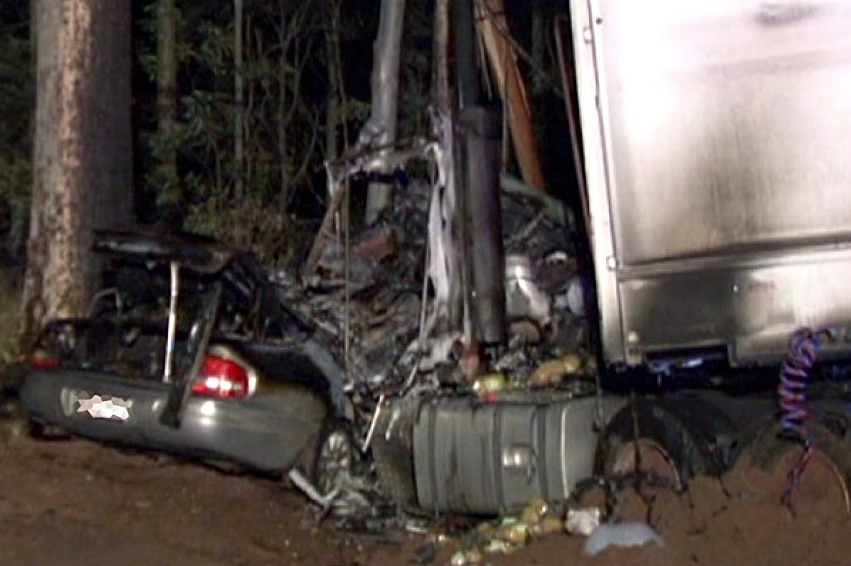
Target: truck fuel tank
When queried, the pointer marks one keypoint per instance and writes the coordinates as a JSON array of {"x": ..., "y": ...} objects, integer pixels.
[{"x": 477, "y": 457}]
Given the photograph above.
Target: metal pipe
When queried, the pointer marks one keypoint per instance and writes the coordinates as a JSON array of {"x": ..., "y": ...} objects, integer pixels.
[
  {"x": 373, "y": 423},
  {"x": 172, "y": 322},
  {"x": 464, "y": 39},
  {"x": 347, "y": 335},
  {"x": 481, "y": 129}
]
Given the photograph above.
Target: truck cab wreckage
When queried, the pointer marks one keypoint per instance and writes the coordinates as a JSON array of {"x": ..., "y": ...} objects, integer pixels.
[{"x": 499, "y": 350}]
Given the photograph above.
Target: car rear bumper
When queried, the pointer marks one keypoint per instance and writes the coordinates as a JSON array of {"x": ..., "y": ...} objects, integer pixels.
[{"x": 267, "y": 432}]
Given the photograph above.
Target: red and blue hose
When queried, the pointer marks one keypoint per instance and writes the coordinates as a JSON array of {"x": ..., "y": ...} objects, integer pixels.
[
  {"x": 792, "y": 395},
  {"x": 792, "y": 389}
]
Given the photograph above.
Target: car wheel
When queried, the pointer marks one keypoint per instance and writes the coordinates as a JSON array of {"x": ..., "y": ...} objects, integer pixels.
[{"x": 335, "y": 456}]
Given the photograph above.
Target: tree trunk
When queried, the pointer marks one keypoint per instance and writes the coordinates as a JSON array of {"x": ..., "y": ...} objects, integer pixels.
[
  {"x": 239, "y": 104},
  {"x": 283, "y": 139},
  {"x": 332, "y": 58},
  {"x": 166, "y": 101},
  {"x": 82, "y": 151}
]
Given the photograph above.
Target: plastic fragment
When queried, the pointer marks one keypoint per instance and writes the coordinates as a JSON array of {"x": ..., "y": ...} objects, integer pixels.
[
  {"x": 467, "y": 557},
  {"x": 552, "y": 371},
  {"x": 500, "y": 547},
  {"x": 547, "y": 526},
  {"x": 582, "y": 521},
  {"x": 458, "y": 559},
  {"x": 513, "y": 531},
  {"x": 489, "y": 383},
  {"x": 621, "y": 535},
  {"x": 534, "y": 512}
]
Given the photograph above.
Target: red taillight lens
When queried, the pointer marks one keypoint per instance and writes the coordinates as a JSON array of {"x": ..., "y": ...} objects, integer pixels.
[
  {"x": 43, "y": 360},
  {"x": 221, "y": 377}
]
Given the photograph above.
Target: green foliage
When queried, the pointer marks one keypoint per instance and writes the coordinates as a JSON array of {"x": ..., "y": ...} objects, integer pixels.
[
  {"x": 276, "y": 237},
  {"x": 10, "y": 318},
  {"x": 283, "y": 121},
  {"x": 16, "y": 100}
]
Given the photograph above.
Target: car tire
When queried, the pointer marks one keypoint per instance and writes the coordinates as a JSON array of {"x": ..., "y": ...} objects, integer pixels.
[
  {"x": 669, "y": 440},
  {"x": 334, "y": 454}
]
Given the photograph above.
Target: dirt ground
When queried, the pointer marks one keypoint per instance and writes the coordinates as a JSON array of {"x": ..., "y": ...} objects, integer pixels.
[{"x": 80, "y": 503}]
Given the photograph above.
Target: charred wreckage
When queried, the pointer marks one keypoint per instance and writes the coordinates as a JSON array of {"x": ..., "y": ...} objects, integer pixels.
[
  {"x": 513, "y": 390},
  {"x": 476, "y": 347}
]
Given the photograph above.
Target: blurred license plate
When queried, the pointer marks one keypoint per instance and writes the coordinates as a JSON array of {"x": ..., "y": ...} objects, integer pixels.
[{"x": 77, "y": 402}]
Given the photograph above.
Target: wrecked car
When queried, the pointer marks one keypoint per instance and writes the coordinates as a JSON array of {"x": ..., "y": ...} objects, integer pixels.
[{"x": 189, "y": 349}]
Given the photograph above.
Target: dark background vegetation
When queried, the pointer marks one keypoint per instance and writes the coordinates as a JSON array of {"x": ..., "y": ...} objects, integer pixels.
[{"x": 287, "y": 125}]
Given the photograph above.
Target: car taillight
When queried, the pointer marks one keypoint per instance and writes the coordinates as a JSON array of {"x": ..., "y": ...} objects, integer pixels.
[
  {"x": 221, "y": 377},
  {"x": 43, "y": 360}
]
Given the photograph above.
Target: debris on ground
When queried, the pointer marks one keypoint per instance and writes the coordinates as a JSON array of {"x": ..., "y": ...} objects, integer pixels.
[
  {"x": 582, "y": 521},
  {"x": 627, "y": 534},
  {"x": 501, "y": 536},
  {"x": 252, "y": 521},
  {"x": 537, "y": 521}
]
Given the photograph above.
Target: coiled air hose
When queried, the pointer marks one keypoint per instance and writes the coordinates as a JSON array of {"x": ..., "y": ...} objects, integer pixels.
[{"x": 792, "y": 397}]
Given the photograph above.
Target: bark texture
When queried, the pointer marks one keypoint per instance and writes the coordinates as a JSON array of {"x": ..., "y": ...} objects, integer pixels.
[
  {"x": 166, "y": 93},
  {"x": 82, "y": 152}
]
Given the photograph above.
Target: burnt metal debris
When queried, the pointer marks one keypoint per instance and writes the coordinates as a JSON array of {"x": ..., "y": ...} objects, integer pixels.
[
  {"x": 383, "y": 296},
  {"x": 384, "y": 303}
]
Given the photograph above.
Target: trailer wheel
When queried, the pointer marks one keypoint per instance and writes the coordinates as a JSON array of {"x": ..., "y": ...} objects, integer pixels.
[
  {"x": 665, "y": 442},
  {"x": 824, "y": 487}
]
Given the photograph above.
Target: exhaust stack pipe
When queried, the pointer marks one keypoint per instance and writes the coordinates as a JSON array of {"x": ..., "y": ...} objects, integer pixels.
[{"x": 481, "y": 131}]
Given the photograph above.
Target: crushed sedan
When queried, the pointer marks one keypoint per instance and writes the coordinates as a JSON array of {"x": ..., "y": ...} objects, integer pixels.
[{"x": 190, "y": 349}]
